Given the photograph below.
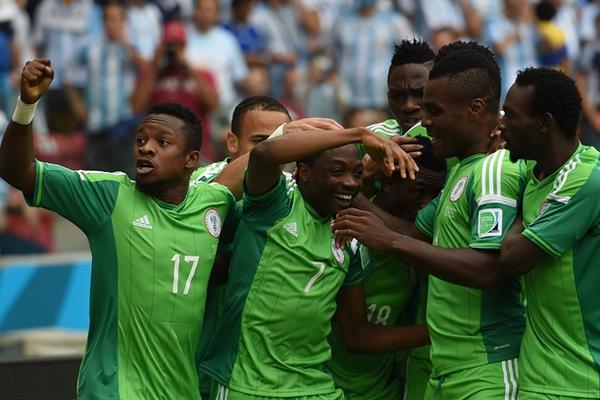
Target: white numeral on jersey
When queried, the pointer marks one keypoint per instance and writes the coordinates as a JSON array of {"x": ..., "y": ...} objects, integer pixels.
[
  {"x": 189, "y": 259},
  {"x": 316, "y": 276},
  {"x": 382, "y": 316}
]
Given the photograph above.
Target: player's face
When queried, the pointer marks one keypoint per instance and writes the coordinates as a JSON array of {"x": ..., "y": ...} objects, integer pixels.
[
  {"x": 405, "y": 93},
  {"x": 334, "y": 180},
  {"x": 519, "y": 125},
  {"x": 405, "y": 197},
  {"x": 445, "y": 117},
  {"x": 160, "y": 152},
  {"x": 206, "y": 14},
  {"x": 255, "y": 126}
]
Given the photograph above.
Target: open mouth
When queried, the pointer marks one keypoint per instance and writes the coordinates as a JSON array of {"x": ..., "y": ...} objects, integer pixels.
[
  {"x": 344, "y": 198},
  {"x": 144, "y": 166}
]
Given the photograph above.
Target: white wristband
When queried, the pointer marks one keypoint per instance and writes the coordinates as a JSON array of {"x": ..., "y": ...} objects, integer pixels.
[
  {"x": 24, "y": 113},
  {"x": 278, "y": 132}
]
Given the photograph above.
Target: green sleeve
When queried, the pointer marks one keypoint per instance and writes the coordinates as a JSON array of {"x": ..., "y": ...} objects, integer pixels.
[
  {"x": 494, "y": 199},
  {"x": 569, "y": 216},
  {"x": 360, "y": 264},
  {"x": 232, "y": 220},
  {"x": 86, "y": 198},
  {"x": 270, "y": 206},
  {"x": 426, "y": 217}
]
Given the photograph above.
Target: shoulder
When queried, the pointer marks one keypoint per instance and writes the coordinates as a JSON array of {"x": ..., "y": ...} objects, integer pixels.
[
  {"x": 496, "y": 178},
  {"x": 120, "y": 178},
  {"x": 388, "y": 127},
  {"x": 581, "y": 173}
]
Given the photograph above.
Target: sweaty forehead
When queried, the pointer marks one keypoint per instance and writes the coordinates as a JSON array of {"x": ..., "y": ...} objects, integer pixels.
[
  {"x": 161, "y": 122},
  {"x": 408, "y": 73},
  {"x": 347, "y": 154}
]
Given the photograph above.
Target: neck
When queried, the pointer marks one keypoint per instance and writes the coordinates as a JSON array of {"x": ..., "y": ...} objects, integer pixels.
[
  {"x": 555, "y": 154},
  {"x": 171, "y": 194},
  {"x": 307, "y": 195}
]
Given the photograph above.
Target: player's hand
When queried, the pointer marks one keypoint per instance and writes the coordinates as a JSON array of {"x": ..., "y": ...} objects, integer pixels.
[
  {"x": 35, "y": 79},
  {"x": 496, "y": 141},
  {"x": 311, "y": 124},
  {"x": 408, "y": 144},
  {"x": 389, "y": 154},
  {"x": 364, "y": 226}
]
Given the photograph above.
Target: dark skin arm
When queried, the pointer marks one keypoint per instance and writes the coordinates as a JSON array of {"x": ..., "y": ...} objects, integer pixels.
[
  {"x": 360, "y": 336},
  {"x": 518, "y": 254},
  {"x": 467, "y": 267},
  {"x": 17, "y": 165}
]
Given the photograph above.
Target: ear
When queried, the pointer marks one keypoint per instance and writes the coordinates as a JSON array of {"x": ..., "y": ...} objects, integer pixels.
[
  {"x": 233, "y": 143},
  {"x": 303, "y": 173},
  {"x": 191, "y": 159},
  {"x": 547, "y": 123},
  {"x": 476, "y": 109}
]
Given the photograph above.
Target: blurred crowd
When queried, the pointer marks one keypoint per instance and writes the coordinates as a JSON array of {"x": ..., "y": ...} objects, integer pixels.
[{"x": 329, "y": 58}]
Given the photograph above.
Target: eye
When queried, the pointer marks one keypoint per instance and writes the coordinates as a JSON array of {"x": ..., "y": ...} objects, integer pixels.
[
  {"x": 358, "y": 173},
  {"x": 163, "y": 142},
  {"x": 336, "y": 171},
  {"x": 140, "y": 141}
]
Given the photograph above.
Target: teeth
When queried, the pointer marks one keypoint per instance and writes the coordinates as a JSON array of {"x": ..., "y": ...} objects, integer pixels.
[{"x": 344, "y": 196}]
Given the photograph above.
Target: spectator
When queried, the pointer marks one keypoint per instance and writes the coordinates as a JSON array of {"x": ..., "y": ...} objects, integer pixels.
[
  {"x": 324, "y": 96},
  {"x": 568, "y": 20},
  {"x": 365, "y": 41},
  {"x": 144, "y": 27},
  {"x": 552, "y": 42},
  {"x": 9, "y": 55},
  {"x": 449, "y": 20},
  {"x": 251, "y": 40},
  {"x": 512, "y": 36},
  {"x": 111, "y": 66},
  {"x": 588, "y": 18},
  {"x": 288, "y": 27},
  {"x": 170, "y": 79},
  {"x": 588, "y": 80},
  {"x": 60, "y": 28},
  {"x": 213, "y": 48}
]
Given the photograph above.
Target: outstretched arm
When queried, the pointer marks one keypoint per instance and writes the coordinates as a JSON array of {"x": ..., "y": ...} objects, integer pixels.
[
  {"x": 17, "y": 165},
  {"x": 467, "y": 267},
  {"x": 518, "y": 254},
  {"x": 265, "y": 158},
  {"x": 360, "y": 336}
]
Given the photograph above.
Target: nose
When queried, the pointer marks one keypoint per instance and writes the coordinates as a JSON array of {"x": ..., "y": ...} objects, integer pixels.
[
  {"x": 411, "y": 105},
  {"x": 426, "y": 121},
  {"x": 146, "y": 149},
  {"x": 351, "y": 182}
]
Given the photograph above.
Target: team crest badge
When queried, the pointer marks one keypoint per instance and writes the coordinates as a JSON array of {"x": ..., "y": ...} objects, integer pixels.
[
  {"x": 337, "y": 253},
  {"x": 458, "y": 189},
  {"x": 212, "y": 220}
]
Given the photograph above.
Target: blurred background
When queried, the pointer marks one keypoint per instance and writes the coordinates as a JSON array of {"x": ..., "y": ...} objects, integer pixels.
[{"x": 325, "y": 58}]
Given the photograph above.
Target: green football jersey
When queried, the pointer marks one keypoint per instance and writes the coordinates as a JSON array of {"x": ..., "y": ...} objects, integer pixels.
[
  {"x": 209, "y": 172},
  {"x": 420, "y": 314},
  {"x": 560, "y": 354},
  {"x": 284, "y": 277},
  {"x": 151, "y": 262},
  {"x": 471, "y": 327},
  {"x": 388, "y": 289}
]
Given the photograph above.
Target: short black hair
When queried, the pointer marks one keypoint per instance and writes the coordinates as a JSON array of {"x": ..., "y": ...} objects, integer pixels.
[
  {"x": 554, "y": 93},
  {"x": 545, "y": 10},
  {"x": 192, "y": 125},
  {"x": 262, "y": 103},
  {"x": 471, "y": 74},
  {"x": 413, "y": 51},
  {"x": 469, "y": 45}
]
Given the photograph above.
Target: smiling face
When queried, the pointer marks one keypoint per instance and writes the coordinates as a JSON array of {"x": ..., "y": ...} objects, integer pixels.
[
  {"x": 255, "y": 126},
  {"x": 161, "y": 152},
  {"x": 332, "y": 181},
  {"x": 405, "y": 93},
  {"x": 445, "y": 117},
  {"x": 520, "y": 125}
]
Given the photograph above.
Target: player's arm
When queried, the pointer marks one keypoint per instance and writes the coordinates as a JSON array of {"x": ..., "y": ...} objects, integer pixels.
[
  {"x": 518, "y": 254},
  {"x": 360, "y": 336},
  {"x": 265, "y": 159},
  {"x": 396, "y": 224},
  {"x": 17, "y": 165},
  {"x": 468, "y": 267}
]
